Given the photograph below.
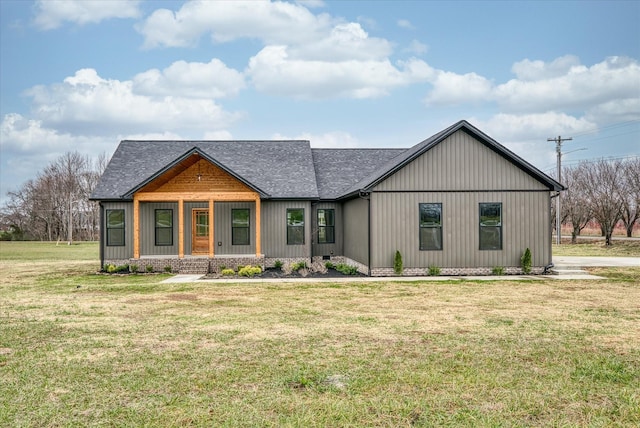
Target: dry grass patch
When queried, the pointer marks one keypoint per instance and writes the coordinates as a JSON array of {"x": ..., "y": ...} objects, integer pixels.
[{"x": 132, "y": 351}]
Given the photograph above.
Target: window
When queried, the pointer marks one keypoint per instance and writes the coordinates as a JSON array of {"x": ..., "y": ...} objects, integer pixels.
[
  {"x": 431, "y": 226},
  {"x": 115, "y": 228},
  {"x": 164, "y": 227},
  {"x": 326, "y": 226},
  {"x": 295, "y": 226},
  {"x": 240, "y": 226},
  {"x": 491, "y": 226}
]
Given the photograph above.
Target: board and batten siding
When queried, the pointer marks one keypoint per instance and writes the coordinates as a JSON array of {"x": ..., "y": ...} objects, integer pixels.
[
  {"x": 125, "y": 251},
  {"x": 460, "y": 162},
  {"x": 223, "y": 227},
  {"x": 395, "y": 226},
  {"x": 274, "y": 229},
  {"x": 148, "y": 245},
  {"x": 334, "y": 249},
  {"x": 460, "y": 173},
  {"x": 356, "y": 230}
]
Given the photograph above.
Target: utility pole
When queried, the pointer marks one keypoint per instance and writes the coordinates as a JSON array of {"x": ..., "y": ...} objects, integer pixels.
[{"x": 559, "y": 142}]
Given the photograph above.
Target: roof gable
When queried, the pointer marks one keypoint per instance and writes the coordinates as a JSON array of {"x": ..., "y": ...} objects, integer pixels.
[
  {"x": 195, "y": 172},
  {"x": 399, "y": 162}
]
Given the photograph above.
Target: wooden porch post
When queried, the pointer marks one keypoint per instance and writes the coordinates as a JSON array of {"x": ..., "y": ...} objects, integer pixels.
[
  {"x": 180, "y": 228},
  {"x": 258, "y": 246},
  {"x": 211, "y": 228},
  {"x": 136, "y": 227}
]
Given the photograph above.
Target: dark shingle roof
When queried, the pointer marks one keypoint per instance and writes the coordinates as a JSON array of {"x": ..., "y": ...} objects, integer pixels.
[
  {"x": 277, "y": 169},
  {"x": 337, "y": 170},
  {"x": 283, "y": 169}
]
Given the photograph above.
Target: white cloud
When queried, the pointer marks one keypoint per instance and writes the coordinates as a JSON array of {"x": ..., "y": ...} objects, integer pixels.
[
  {"x": 578, "y": 87},
  {"x": 451, "y": 89},
  {"x": 334, "y": 140},
  {"x": 608, "y": 91},
  {"x": 344, "y": 42},
  {"x": 190, "y": 79},
  {"x": 88, "y": 104},
  {"x": 273, "y": 23},
  {"x": 534, "y": 127},
  {"x": 528, "y": 70},
  {"x": 272, "y": 71},
  {"x": 51, "y": 14},
  {"x": 404, "y": 23}
]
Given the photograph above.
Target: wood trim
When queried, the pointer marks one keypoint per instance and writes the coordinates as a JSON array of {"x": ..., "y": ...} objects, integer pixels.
[
  {"x": 180, "y": 228},
  {"x": 197, "y": 196},
  {"x": 211, "y": 227},
  {"x": 258, "y": 217},
  {"x": 136, "y": 227}
]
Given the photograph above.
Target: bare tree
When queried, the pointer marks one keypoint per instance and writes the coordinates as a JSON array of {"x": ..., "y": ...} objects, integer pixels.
[
  {"x": 55, "y": 205},
  {"x": 601, "y": 181},
  {"x": 575, "y": 206},
  {"x": 630, "y": 194}
]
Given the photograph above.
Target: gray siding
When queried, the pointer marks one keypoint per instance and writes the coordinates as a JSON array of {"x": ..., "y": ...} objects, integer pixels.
[
  {"x": 274, "y": 229},
  {"x": 395, "y": 225},
  {"x": 334, "y": 249},
  {"x": 460, "y": 162},
  {"x": 356, "y": 230},
  {"x": 126, "y": 251},
  {"x": 222, "y": 236},
  {"x": 147, "y": 229}
]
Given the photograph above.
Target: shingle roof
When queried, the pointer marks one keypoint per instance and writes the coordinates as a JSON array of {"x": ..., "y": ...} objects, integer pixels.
[
  {"x": 283, "y": 169},
  {"x": 278, "y": 169},
  {"x": 339, "y": 169}
]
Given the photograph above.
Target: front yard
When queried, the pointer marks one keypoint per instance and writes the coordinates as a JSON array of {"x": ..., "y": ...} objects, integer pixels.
[{"x": 79, "y": 349}]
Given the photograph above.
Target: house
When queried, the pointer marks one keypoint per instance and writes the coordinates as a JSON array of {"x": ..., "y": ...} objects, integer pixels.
[{"x": 458, "y": 200}]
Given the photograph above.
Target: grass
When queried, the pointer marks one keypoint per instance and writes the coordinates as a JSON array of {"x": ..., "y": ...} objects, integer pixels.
[
  {"x": 596, "y": 248},
  {"x": 80, "y": 349}
]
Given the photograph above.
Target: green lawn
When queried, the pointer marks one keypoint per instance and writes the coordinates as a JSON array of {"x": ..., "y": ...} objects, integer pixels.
[{"x": 81, "y": 349}]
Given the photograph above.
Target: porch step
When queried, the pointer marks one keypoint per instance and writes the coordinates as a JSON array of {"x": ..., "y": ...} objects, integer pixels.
[{"x": 194, "y": 266}]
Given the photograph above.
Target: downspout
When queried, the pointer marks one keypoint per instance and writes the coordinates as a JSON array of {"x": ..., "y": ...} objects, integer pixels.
[
  {"x": 550, "y": 265},
  {"x": 311, "y": 230},
  {"x": 102, "y": 241},
  {"x": 367, "y": 197}
]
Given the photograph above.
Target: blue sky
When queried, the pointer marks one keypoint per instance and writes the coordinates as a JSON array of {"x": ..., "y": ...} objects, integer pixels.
[{"x": 83, "y": 75}]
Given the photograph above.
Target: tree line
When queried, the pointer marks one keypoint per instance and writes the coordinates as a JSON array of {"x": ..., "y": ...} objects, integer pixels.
[
  {"x": 607, "y": 191},
  {"x": 55, "y": 205}
]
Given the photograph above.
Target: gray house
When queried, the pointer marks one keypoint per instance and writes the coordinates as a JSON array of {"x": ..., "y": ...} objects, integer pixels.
[{"x": 458, "y": 200}]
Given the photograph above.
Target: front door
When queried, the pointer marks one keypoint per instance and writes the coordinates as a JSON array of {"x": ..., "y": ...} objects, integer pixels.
[{"x": 200, "y": 231}]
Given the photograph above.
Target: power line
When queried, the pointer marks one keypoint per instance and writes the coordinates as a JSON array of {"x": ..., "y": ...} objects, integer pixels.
[{"x": 613, "y": 125}]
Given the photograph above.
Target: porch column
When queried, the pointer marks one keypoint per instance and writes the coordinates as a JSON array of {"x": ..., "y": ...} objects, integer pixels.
[
  {"x": 136, "y": 227},
  {"x": 211, "y": 228},
  {"x": 180, "y": 228},
  {"x": 258, "y": 247}
]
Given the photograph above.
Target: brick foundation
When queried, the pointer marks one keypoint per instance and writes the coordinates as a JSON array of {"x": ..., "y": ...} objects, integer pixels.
[{"x": 479, "y": 271}]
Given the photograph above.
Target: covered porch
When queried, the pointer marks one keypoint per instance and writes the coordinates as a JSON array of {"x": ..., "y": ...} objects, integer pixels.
[{"x": 197, "y": 228}]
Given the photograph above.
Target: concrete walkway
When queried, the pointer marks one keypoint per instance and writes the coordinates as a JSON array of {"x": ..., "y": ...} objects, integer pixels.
[
  {"x": 596, "y": 261},
  {"x": 565, "y": 268}
]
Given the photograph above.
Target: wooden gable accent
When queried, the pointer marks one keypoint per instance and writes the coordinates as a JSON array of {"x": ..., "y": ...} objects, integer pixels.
[
  {"x": 196, "y": 174},
  {"x": 193, "y": 179}
]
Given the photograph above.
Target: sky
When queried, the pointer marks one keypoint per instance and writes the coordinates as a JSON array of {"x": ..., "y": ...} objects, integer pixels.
[{"x": 83, "y": 75}]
